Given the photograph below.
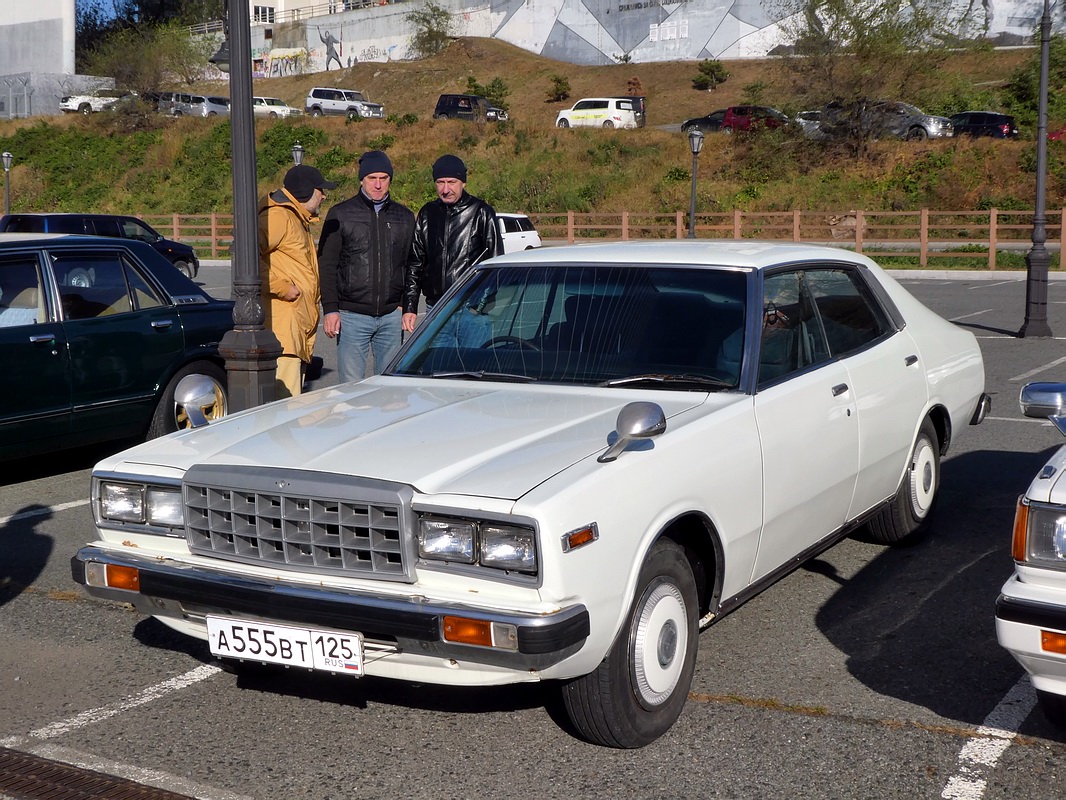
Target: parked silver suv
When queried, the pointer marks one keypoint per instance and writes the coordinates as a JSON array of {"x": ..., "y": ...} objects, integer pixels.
[{"x": 324, "y": 101}]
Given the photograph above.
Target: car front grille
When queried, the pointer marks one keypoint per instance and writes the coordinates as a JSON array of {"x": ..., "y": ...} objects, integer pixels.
[{"x": 303, "y": 522}]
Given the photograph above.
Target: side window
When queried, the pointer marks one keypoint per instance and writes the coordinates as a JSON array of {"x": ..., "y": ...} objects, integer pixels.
[
  {"x": 91, "y": 284},
  {"x": 144, "y": 295},
  {"x": 850, "y": 315},
  {"x": 510, "y": 224},
  {"x": 71, "y": 223},
  {"x": 584, "y": 104},
  {"x": 791, "y": 339},
  {"x": 525, "y": 224},
  {"x": 105, "y": 226},
  {"x": 134, "y": 229},
  {"x": 21, "y": 298}
]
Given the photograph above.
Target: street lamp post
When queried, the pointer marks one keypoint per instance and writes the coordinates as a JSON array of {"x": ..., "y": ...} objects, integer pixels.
[
  {"x": 7, "y": 157},
  {"x": 250, "y": 350},
  {"x": 1037, "y": 260},
  {"x": 297, "y": 154},
  {"x": 695, "y": 143}
]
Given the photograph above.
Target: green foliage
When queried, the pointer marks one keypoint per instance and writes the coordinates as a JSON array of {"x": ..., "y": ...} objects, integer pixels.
[
  {"x": 1023, "y": 92},
  {"x": 381, "y": 142},
  {"x": 677, "y": 174},
  {"x": 754, "y": 92},
  {"x": 711, "y": 72},
  {"x": 401, "y": 122},
  {"x": 560, "y": 89},
  {"x": 433, "y": 29},
  {"x": 495, "y": 92},
  {"x": 140, "y": 58}
]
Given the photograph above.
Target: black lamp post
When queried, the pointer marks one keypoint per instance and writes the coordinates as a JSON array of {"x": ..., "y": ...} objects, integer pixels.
[
  {"x": 695, "y": 143},
  {"x": 1037, "y": 260},
  {"x": 297, "y": 154},
  {"x": 250, "y": 350},
  {"x": 7, "y": 157}
]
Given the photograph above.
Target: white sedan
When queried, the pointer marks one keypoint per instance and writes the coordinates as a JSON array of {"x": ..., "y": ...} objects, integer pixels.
[{"x": 581, "y": 457}]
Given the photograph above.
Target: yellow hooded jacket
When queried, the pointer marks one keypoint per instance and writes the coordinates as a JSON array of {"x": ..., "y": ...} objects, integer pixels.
[{"x": 287, "y": 256}]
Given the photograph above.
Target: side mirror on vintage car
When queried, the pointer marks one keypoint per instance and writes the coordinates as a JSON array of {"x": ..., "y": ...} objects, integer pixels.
[
  {"x": 1045, "y": 400},
  {"x": 195, "y": 393},
  {"x": 635, "y": 421}
]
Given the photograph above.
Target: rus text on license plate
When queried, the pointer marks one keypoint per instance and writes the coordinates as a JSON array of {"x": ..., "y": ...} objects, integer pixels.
[{"x": 292, "y": 646}]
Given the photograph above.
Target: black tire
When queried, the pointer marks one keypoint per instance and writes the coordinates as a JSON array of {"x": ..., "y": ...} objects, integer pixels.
[
  {"x": 608, "y": 124},
  {"x": 186, "y": 268},
  {"x": 639, "y": 689},
  {"x": 316, "y": 112},
  {"x": 917, "y": 134},
  {"x": 564, "y": 123},
  {"x": 1053, "y": 706},
  {"x": 353, "y": 115},
  {"x": 85, "y": 109},
  {"x": 906, "y": 515},
  {"x": 177, "y": 113},
  {"x": 273, "y": 114},
  {"x": 727, "y": 129},
  {"x": 169, "y": 418}
]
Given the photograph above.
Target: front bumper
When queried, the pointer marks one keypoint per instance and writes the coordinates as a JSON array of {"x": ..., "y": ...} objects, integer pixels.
[
  {"x": 1023, "y": 611},
  {"x": 409, "y": 628}
]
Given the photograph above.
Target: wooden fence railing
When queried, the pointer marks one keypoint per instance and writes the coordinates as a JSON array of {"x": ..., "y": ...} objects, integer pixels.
[{"x": 972, "y": 235}]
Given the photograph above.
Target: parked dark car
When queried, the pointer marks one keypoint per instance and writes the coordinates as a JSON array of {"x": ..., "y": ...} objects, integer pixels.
[
  {"x": 708, "y": 124},
  {"x": 121, "y": 227},
  {"x": 96, "y": 333},
  {"x": 984, "y": 123},
  {"x": 746, "y": 118},
  {"x": 467, "y": 106}
]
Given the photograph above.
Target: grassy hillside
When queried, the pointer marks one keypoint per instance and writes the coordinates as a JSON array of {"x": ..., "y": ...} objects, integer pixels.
[{"x": 153, "y": 164}]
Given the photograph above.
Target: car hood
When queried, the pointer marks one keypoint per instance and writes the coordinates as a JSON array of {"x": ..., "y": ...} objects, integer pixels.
[
  {"x": 1050, "y": 489},
  {"x": 437, "y": 436}
]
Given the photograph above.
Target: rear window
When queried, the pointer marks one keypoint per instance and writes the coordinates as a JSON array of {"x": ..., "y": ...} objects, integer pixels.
[{"x": 20, "y": 224}]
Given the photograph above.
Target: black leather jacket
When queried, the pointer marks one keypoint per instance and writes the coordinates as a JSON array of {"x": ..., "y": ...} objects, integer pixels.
[
  {"x": 449, "y": 239},
  {"x": 362, "y": 256}
]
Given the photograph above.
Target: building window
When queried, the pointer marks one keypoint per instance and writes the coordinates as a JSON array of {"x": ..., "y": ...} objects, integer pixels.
[{"x": 262, "y": 14}]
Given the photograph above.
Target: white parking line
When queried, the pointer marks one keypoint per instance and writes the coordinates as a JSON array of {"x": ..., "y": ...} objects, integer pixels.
[
  {"x": 94, "y": 715},
  {"x": 974, "y": 314},
  {"x": 986, "y": 285},
  {"x": 981, "y": 753},
  {"x": 1039, "y": 369},
  {"x": 40, "y": 512}
]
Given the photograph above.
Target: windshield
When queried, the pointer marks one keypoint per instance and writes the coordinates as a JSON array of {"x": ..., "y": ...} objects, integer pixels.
[{"x": 668, "y": 328}]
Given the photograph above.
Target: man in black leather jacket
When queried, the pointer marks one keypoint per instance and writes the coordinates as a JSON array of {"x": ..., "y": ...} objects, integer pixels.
[
  {"x": 362, "y": 254},
  {"x": 452, "y": 234}
]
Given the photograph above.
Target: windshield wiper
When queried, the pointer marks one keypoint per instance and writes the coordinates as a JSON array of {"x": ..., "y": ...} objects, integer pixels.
[
  {"x": 673, "y": 381},
  {"x": 482, "y": 375}
]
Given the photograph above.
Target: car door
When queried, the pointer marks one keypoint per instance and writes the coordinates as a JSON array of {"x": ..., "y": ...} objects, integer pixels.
[
  {"x": 36, "y": 403},
  {"x": 124, "y": 339},
  {"x": 806, "y": 413},
  {"x": 885, "y": 375}
]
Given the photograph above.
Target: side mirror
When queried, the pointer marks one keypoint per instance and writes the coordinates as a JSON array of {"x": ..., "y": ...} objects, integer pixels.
[
  {"x": 194, "y": 393},
  {"x": 635, "y": 421},
  {"x": 1045, "y": 400}
]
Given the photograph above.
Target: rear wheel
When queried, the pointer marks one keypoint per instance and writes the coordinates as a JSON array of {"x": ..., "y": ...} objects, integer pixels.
[
  {"x": 906, "y": 515},
  {"x": 169, "y": 417},
  {"x": 727, "y": 129},
  {"x": 564, "y": 123},
  {"x": 639, "y": 689},
  {"x": 608, "y": 124},
  {"x": 186, "y": 268}
]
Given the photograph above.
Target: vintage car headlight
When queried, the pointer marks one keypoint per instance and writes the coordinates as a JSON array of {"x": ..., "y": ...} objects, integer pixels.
[
  {"x": 466, "y": 541},
  {"x": 158, "y": 509},
  {"x": 1046, "y": 535}
]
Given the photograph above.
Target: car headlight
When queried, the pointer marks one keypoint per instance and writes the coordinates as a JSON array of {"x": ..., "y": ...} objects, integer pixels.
[
  {"x": 488, "y": 544},
  {"x": 155, "y": 508},
  {"x": 1040, "y": 534}
]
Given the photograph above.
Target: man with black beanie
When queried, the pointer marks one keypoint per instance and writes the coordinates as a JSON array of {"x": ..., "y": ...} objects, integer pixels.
[
  {"x": 362, "y": 253},
  {"x": 452, "y": 234}
]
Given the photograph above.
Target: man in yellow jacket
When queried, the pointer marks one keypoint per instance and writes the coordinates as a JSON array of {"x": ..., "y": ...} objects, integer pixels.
[{"x": 288, "y": 267}]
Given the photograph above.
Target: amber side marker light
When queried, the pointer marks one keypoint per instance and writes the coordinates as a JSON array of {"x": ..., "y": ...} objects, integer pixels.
[
  {"x": 1053, "y": 642},
  {"x": 468, "y": 631},
  {"x": 1021, "y": 522}
]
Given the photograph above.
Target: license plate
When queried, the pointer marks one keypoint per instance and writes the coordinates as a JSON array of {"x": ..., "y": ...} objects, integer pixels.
[{"x": 331, "y": 651}]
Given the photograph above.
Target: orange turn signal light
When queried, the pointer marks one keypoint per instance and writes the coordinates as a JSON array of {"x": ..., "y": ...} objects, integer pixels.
[
  {"x": 128, "y": 578},
  {"x": 468, "y": 631},
  {"x": 1053, "y": 642},
  {"x": 580, "y": 537},
  {"x": 1021, "y": 524}
]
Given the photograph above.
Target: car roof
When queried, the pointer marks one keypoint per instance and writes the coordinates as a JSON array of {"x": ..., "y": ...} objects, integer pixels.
[
  {"x": 743, "y": 254},
  {"x": 516, "y": 214},
  {"x": 22, "y": 238}
]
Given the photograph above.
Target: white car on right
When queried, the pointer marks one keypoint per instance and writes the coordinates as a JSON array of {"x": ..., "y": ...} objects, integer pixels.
[
  {"x": 1031, "y": 608},
  {"x": 517, "y": 232}
]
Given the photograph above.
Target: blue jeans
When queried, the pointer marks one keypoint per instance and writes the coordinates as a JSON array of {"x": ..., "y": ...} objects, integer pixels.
[{"x": 359, "y": 334}]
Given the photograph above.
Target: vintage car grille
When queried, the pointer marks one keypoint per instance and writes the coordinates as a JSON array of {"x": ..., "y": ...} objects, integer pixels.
[{"x": 315, "y": 525}]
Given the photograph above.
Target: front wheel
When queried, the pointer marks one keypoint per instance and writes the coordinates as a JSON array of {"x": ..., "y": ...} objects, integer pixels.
[
  {"x": 85, "y": 109},
  {"x": 186, "y": 268},
  {"x": 169, "y": 417},
  {"x": 906, "y": 515},
  {"x": 316, "y": 112},
  {"x": 638, "y": 691},
  {"x": 563, "y": 123},
  {"x": 726, "y": 129},
  {"x": 917, "y": 134},
  {"x": 1053, "y": 706}
]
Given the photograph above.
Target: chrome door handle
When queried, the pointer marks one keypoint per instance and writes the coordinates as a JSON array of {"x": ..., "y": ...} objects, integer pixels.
[
  {"x": 42, "y": 337},
  {"x": 162, "y": 323}
]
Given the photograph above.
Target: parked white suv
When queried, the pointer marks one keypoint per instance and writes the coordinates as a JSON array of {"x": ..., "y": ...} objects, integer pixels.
[
  {"x": 88, "y": 103},
  {"x": 324, "y": 101},
  {"x": 517, "y": 232},
  {"x": 604, "y": 112}
]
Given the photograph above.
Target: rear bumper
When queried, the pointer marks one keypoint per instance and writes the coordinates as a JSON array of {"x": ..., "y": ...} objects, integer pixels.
[{"x": 409, "y": 624}]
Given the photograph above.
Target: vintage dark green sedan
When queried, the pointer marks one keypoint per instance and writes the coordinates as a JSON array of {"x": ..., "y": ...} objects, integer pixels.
[{"x": 95, "y": 335}]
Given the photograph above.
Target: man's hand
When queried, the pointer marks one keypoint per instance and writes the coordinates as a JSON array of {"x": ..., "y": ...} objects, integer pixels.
[
  {"x": 292, "y": 294},
  {"x": 332, "y": 324},
  {"x": 408, "y": 322}
]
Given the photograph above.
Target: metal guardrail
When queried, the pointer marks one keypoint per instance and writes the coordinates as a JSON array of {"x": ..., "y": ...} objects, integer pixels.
[{"x": 970, "y": 235}]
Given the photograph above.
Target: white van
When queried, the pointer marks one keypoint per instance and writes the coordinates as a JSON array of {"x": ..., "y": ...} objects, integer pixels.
[{"x": 604, "y": 112}]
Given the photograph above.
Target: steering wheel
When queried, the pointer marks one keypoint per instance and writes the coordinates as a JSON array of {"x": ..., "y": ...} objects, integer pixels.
[{"x": 525, "y": 344}]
